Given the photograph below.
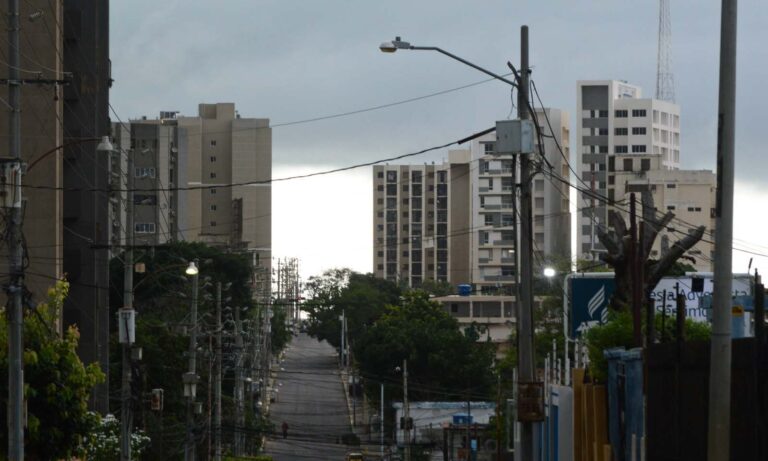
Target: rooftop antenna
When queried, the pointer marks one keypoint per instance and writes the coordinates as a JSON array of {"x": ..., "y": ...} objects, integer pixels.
[{"x": 665, "y": 81}]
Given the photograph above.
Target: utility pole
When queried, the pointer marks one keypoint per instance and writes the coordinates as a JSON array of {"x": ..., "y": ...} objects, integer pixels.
[
  {"x": 217, "y": 385},
  {"x": 381, "y": 422},
  {"x": 406, "y": 413},
  {"x": 126, "y": 316},
  {"x": 15, "y": 288},
  {"x": 191, "y": 375},
  {"x": 239, "y": 420},
  {"x": 719, "y": 425},
  {"x": 525, "y": 301}
]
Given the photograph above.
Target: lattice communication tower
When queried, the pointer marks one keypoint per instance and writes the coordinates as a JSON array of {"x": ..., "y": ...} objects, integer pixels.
[{"x": 665, "y": 81}]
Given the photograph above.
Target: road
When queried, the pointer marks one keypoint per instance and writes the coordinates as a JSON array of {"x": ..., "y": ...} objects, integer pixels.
[{"x": 311, "y": 400}]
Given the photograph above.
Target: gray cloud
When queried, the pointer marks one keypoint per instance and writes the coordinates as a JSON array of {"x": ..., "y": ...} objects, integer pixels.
[{"x": 290, "y": 60}]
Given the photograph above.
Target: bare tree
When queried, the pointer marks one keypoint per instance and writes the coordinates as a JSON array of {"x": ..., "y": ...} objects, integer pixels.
[{"x": 618, "y": 243}]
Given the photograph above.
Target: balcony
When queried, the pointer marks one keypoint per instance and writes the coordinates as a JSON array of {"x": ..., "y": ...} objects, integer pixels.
[
  {"x": 499, "y": 278},
  {"x": 504, "y": 242}
]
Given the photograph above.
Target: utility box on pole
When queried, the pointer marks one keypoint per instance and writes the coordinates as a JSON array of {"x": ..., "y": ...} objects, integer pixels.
[{"x": 514, "y": 137}]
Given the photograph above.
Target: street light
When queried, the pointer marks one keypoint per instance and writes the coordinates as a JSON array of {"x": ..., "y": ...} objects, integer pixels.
[
  {"x": 192, "y": 269},
  {"x": 398, "y": 44},
  {"x": 525, "y": 287},
  {"x": 549, "y": 272}
]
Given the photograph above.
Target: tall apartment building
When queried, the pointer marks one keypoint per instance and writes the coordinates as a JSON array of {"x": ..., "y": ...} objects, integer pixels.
[
  {"x": 421, "y": 222},
  {"x": 204, "y": 179},
  {"x": 625, "y": 140},
  {"x": 454, "y": 222},
  {"x": 64, "y": 220}
]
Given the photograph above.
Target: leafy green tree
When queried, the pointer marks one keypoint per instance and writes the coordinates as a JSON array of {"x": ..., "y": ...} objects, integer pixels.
[
  {"x": 361, "y": 297},
  {"x": 443, "y": 364},
  {"x": 57, "y": 384}
]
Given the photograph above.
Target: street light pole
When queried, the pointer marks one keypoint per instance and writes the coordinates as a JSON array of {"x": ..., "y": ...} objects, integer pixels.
[
  {"x": 190, "y": 379},
  {"x": 525, "y": 268},
  {"x": 125, "y": 317},
  {"x": 525, "y": 302},
  {"x": 217, "y": 385},
  {"x": 406, "y": 413}
]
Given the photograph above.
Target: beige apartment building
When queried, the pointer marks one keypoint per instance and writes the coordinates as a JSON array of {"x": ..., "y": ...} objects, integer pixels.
[
  {"x": 689, "y": 194},
  {"x": 203, "y": 178},
  {"x": 421, "y": 222}
]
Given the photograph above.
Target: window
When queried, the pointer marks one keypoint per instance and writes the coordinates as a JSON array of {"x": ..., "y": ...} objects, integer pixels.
[
  {"x": 603, "y": 149},
  {"x": 391, "y": 176},
  {"x": 638, "y": 148},
  {"x": 213, "y": 175},
  {"x": 144, "y": 227},
  {"x": 415, "y": 176},
  {"x": 638, "y": 113},
  {"x": 638, "y": 130},
  {"x": 489, "y": 220},
  {"x": 671, "y": 186},
  {"x": 602, "y": 114},
  {"x": 627, "y": 164},
  {"x": 621, "y": 114},
  {"x": 483, "y": 237},
  {"x": 145, "y": 172},
  {"x": 489, "y": 148},
  {"x": 213, "y": 191},
  {"x": 602, "y": 131},
  {"x": 213, "y": 223},
  {"x": 620, "y": 149},
  {"x": 441, "y": 176},
  {"x": 213, "y": 158},
  {"x": 611, "y": 180},
  {"x": 213, "y": 207},
  {"x": 620, "y": 132},
  {"x": 671, "y": 207},
  {"x": 213, "y": 143},
  {"x": 380, "y": 174},
  {"x": 645, "y": 164}
]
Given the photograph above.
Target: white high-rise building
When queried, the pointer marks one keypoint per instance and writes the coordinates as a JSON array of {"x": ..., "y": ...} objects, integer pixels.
[{"x": 628, "y": 144}]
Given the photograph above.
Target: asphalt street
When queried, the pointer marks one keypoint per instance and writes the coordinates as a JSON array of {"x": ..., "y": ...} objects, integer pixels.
[{"x": 311, "y": 400}]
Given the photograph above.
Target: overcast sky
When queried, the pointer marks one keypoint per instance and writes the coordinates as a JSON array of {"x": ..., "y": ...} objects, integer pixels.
[{"x": 295, "y": 60}]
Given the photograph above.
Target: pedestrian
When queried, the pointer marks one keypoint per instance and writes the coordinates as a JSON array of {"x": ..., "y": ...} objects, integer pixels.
[{"x": 285, "y": 429}]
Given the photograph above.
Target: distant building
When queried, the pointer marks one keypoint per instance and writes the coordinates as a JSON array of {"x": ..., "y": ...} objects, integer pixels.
[
  {"x": 626, "y": 141},
  {"x": 203, "y": 179},
  {"x": 493, "y": 316},
  {"x": 454, "y": 222},
  {"x": 421, "y": 221}
]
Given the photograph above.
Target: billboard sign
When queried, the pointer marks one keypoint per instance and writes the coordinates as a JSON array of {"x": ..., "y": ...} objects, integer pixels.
[{"x": 590, "y": 293}]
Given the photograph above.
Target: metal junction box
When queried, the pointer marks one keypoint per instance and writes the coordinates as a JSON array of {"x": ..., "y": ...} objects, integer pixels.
[{"x": 514, "y": 137}]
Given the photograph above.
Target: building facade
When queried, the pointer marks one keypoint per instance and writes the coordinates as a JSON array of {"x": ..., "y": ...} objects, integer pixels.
[
  {"x": 626, "y": 141},
  {"x": 455, "y": 222},
  {"x": 204, "y": 178},
  {"x": 421, "y": 220}
]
